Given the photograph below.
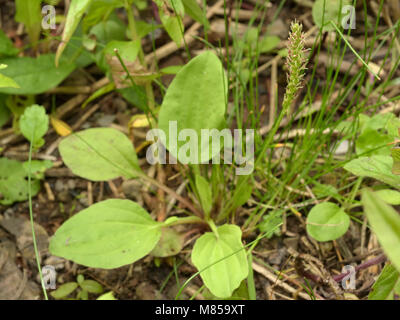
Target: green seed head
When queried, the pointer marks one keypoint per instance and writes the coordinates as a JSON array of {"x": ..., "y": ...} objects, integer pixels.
[{"x": 295, "y": 62}]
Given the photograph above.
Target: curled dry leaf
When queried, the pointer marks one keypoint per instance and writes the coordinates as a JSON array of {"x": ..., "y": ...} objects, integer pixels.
[
  {"x": 138, "y": 73},
  {"x": 21, "y": 229}
]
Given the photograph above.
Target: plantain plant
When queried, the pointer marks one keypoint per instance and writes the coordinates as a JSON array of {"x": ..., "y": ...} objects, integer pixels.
[{"x": 116, "y": 232}]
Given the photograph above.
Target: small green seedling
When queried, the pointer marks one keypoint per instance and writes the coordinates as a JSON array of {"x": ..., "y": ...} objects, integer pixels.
[
  {"x": 81, "y": 289},
  {"x": 13, "y": 174}
]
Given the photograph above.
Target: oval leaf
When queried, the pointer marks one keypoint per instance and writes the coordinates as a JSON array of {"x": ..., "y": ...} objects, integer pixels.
[
  {"x": 100, "y": 154},
  {"x": 34, "y": 124},
  {"x": 64, "y": 290},
  {"x": 222, "y": 261},
  {"x": 196, "y": 100},
  {"x": 377, "y": 167},
  {"x": 326, "y": 222},
  {"x": 389, "y": 196},
  {"x": 35, "y": 75},
  {"x": 92, "y": 286},
  {"x": 385, "y": 222},
  {"x": 107, "y": 235}
]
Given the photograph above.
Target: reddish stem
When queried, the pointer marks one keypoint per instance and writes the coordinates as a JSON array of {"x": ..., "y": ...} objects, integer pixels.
[{"x": 379, "y": 259}]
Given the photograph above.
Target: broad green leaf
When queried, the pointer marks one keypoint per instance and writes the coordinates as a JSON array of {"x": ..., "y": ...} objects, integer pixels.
[
  {"x": 222, "y": 261},
  {"x": 389, "y": 196},
  {"x": 177, "y": 7},
  {"x": 324, "y": 11},
  {"x": 100, "y": 154},
  {"x": 92, "y": 286},
  {"x": 387, "y": 121},
  {"x": 64, "y": 290},
  {"x": 109, "y": 234},
  {"x": 204, "y": 190},
  {"x": 29, "y": 13},
  {"x": 195, "y": 12},
  {"x": 6, "y": 46},
  {"x": 174, "y": 27},
  {"x": 326, "y": 222},
  {"x": 372, "y": 142},
  {"x": 170, "y": 244},
  {"x": 385, "y": 222},
  {"x": 241, "y": 293},
  {"x": 128, "y": 50},
  {"x": 196, "y": 99},
  {"x": 384, "y": 287},
  {"x": 35, "y": 75},
  {"x": 13, "y": 182},
  {"x": 34, "y": 124},
  {"x": 76, "y": 10},
  {"x": 107, "y": 296},
  {"x": 377, "y": 167}
]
